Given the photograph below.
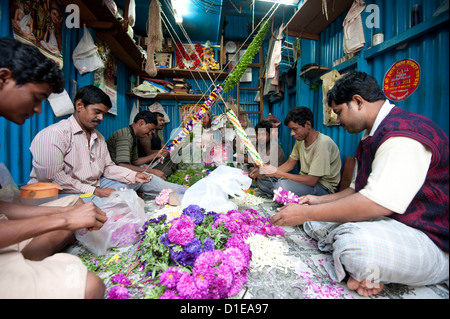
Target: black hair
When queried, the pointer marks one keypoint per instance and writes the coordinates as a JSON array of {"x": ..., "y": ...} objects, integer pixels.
[
  {"x": 158, "y": 114},
  {"x": 29, "y": 65},
  {"x": 91, "y": 94},
  {"x": 147, "y": 116},
  {"x": 267, "y": 125},
  {"x": 353, "y": 83},
  {"x": 299, "y": 115}
]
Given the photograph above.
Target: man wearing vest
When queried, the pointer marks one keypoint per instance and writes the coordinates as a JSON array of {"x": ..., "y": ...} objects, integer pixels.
[{"x": 392, "y": 224}]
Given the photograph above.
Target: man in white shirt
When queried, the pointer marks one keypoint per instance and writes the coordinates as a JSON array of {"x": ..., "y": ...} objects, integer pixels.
[{"x": 392, "y": 223}]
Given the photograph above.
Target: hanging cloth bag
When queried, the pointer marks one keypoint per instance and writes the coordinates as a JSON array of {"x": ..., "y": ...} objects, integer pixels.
[
  {"x": 85, "y": 56},
  {"x": 353, "y": 28},
  {"x": 328, "y": 80}
]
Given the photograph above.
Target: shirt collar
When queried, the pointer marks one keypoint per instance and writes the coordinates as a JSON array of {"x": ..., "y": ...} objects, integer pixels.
[
  {"x": 76, "y": 128},
  {"x": 384, "y": 111}
]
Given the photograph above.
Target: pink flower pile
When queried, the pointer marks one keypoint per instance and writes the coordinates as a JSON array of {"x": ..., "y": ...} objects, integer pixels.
[
  {"x": 182, "y": 230},
  {"x": 282, "y": 196},
  {"x": 248, "y": 222},
  {"x": 216, "y": 273},
  {"x": 119, "y": 291},
  {"x": 163, "y": 197}
]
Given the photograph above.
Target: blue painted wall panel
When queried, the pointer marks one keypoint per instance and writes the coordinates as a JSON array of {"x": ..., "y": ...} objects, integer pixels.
[{"x": 430, "y": 99}]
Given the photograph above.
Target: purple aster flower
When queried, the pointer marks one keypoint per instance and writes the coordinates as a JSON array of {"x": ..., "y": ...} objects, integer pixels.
[
  {"x": 121, "y": 279},
  {"x": 208, "y": 244},
  {"x": 236, "y": 259},
  {"x": 164, "y": 239},
  {"x": 193, "y": 247},
  {"x": 170, "y": 277},
  {"x": 182, "y": 230},
  {"x": 239, "y": 280},
  {"x": 189, "y": 254},
  {"x": 118, "y": 292},
  {"x": 195, "y": 212},
  {"x": 237, "y": 241},
  {"x": 169, "y": 294},
  {"x": 159, "y": 219},
  {"x": 223, "y": 280},
  {"x": 211, "y": 213},
  {"x": 187, "y": 289}
]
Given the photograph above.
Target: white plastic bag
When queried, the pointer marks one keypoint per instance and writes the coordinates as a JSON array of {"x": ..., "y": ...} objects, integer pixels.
[
  {"x": 85, "y": 56},
  {"x": 132, "y": 13},
  {"x": 9, "y": 192},
  {"x": 126, "y": 215},
  {"x": 211, "y": 192},
  {"x": 61, "y": 103}
]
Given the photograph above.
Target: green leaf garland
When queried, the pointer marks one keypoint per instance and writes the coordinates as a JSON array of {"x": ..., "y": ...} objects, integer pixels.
[{"x": 247, "y": 58}]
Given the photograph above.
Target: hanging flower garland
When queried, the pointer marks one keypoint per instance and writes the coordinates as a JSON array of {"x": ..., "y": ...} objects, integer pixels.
[
  {"x": 183, "y": 56},
  {"x": 247, "y": 58},
  {"x": 282, "y": 196}
]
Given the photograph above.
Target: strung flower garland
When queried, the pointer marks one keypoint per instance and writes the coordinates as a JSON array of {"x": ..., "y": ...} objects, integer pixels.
[
  {"x": 247, "y": 58},
  {"x": 282, "y": 196},
  {"x": 196, "y": 118},
  {"x": 182, "y": 54}
]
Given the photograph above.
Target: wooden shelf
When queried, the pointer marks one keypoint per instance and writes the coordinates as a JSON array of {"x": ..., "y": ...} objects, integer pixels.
[
  {"x": 412, "y": 33},
  {"x": 309, "y": 21},
  {"x": 313, "y": 72},
  {"x": 96, "y": 15},
  {"x": 187, "y": 74},
  {"x": 171, "y": 96}
]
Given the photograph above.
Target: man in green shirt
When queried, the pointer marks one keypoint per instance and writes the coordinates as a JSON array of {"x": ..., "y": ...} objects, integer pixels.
[
  {"x": 317, "y": 154},
  {"x": 122, "y": 147}
]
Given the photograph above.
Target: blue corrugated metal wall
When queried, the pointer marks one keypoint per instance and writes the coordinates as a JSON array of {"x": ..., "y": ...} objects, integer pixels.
[
  {"x": 15, "y": 140},
  {"x": 430, "y": 50},
  {"x": 431, "y": 99}
]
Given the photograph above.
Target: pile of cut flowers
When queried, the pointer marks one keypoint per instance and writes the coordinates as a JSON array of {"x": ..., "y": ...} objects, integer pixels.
[
  {"x": 201, "y": 255},
  {"x": 198, "y": 255}
]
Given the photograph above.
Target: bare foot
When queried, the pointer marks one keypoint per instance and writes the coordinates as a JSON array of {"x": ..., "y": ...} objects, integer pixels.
[{"x": 364, "y": 289}]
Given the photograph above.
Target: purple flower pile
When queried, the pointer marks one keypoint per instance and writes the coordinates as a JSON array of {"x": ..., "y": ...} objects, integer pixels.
[{"x": 205, "y": 253}]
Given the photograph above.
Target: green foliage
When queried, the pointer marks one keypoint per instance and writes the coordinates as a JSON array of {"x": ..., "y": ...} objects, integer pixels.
[
  {"x": 193, "y": 175},
  {"x": 247, "y": 58}
]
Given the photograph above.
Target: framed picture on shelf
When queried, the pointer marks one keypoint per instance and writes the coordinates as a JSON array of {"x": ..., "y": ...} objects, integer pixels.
[{"x": 163, "y": 59}]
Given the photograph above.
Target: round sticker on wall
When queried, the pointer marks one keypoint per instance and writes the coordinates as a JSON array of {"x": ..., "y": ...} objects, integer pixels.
[{"x": 401, "y": 80}]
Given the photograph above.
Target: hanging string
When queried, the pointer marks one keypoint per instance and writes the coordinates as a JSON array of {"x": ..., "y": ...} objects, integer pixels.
[{"x": 167, "y": 24}]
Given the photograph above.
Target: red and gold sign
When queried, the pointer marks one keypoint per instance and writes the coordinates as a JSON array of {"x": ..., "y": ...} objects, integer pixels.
[{"x": 401, "y": 80}]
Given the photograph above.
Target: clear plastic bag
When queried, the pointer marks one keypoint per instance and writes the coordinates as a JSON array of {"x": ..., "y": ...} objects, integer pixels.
[
  {"x": 85, "y": 56},
  {"x": 126, "y": 215},
  {"x": 9, "y": 192},
  {"x": 212, "y": 192}
]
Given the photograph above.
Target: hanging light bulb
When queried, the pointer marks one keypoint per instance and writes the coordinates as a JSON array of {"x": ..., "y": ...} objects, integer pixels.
[{"x": 178, "y": 9}]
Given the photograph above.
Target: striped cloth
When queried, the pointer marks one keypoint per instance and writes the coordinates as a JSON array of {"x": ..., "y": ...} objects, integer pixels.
[{"x": 381, "y": 251}]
